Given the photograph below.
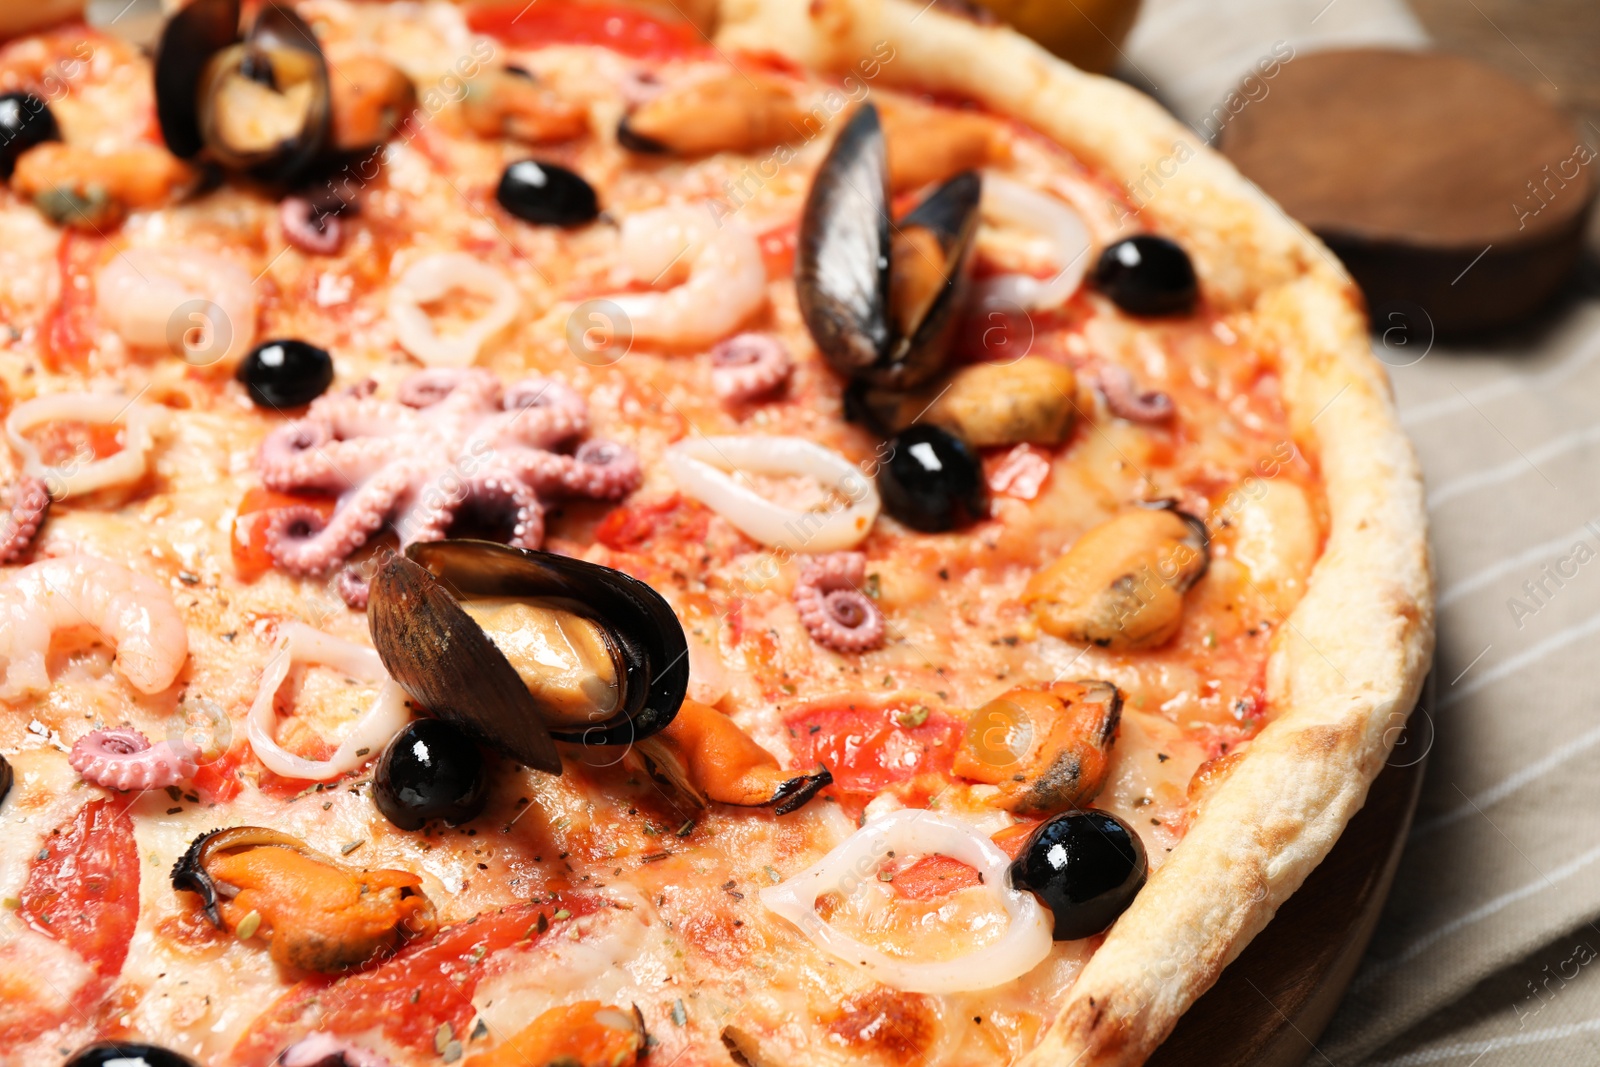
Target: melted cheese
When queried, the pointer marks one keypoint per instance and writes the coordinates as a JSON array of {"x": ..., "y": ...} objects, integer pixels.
[{"x": 694, "y": 950}]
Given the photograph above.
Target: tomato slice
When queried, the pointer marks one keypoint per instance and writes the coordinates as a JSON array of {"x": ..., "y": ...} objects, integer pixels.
[
  {"x": 413, "y": 993},
  {"x": 218, "y": 782},
  {"x": 778, "y": 247},
  {"x": 619, "y": 27},
  {"x": 83, "y": 887},
  {"x": 933, "y": 876},
  {"x": 69, "y": 327},
  {"x": 250, "y": 556},
  {"x": 629, "y": 527},
  {"x": 869, "y": 745}
]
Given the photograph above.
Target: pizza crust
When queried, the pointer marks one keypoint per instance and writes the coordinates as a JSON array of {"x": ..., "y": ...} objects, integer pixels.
[{"x": 1348, "y": 663}]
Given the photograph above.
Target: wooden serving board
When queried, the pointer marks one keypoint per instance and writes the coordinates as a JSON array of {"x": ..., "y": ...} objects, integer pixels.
[{"x": 1278, "y": 996}]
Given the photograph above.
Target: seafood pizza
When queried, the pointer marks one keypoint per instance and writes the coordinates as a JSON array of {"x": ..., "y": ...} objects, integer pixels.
[{"x": 533, "y": 535}]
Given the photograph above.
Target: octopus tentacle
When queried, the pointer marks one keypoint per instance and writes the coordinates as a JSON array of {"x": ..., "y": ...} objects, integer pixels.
[
  {"x": 496, "y": 491},
  {"x": 603, "y": 470},
  {"x": 23, "y": 504},
  {"x": 300, "y": 541},
  {"x": 834, "y": 611},
  {"x": 315, "y": 232},
  {"x": 546, "y": 412},
  {"x": 304, "y": 454},
  {"x": 349, "y": 416},
  {"x": 325, "y": 1050},
  {"x": 353, "y": 587},
  {"x": 749, "y": 367},
  {"x": 472, "y": 385},
  {"x": 1125, "y": 400},
  {"x": 125, "y": 759}
]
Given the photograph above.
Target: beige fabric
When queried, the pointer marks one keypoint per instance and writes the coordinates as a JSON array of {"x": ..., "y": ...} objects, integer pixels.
[
  {"x": 1501, "y": 875},
  {"x": 1488, "y": 953}
]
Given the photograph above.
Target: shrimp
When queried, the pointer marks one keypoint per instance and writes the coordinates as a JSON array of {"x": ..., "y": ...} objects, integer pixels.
[
  {"x": 726, "y": 278},
  {"x": 134, "y": 612},
  {"x": 196, "y": 304}
]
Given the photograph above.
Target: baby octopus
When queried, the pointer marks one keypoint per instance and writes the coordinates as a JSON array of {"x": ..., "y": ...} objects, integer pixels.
[
  {"x": 453, "y": 444},
  {"x": 23, "y": 504},
  {"x": 835, "y": 612},
  {"x": 125, "y": 759},
  {"x": 750, "y": 366}
]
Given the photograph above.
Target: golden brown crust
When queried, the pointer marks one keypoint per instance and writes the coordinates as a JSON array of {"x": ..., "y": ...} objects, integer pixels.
[{"x": 1349, "y": 662}]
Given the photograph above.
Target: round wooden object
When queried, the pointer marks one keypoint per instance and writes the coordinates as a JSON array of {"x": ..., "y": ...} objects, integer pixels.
[
  {"x": 1274, "y": 1001},
  {"x": 1439, "y": 181}
]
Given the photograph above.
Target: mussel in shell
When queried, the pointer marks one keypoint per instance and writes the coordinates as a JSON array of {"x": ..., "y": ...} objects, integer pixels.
[
  {"x": 881, "y": 299},
  {"x": 260, "y": 103},
  {"x": 522, "y": 648}
]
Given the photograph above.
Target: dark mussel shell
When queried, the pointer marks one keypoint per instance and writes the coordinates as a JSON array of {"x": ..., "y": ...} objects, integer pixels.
[
  {"x": 444, "y": 661},
  {"x": 190, "y": 870},
  {"x": 649, "y": 645},
  {"x": 190, "y": 38},
  {"x": 200, "y": 48},
  {"x": 880, "y": 299},
  {"x": 929, "y": 279}
]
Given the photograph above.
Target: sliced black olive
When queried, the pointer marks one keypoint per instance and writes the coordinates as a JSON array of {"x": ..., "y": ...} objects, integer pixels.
[
  {"x": 25, "y": 120},
  {"x": 126, "y": 1054},
  {"x": 286, "y": 373},
  {"x": 932, "y": 481},
  {"x": 6, "y": 778},
  {"x": 547, "y": 194},
  {"x": 1148, "y": 275},
  {"x": 431, "y": 770},
  {"x": 1086, "y": 867}
]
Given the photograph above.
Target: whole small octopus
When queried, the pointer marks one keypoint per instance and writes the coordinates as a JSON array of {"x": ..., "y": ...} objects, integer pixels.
[
  {"x": 123, "y": 758},
  {"x": 833, "y": 609},
  {"x": 454, "y": 443}
]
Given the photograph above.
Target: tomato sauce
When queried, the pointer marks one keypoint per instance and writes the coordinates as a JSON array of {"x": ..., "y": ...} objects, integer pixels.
[
  {"x": 615, "y": 26},
  {"x": 69, "y": 327},
  {"x": 870, "y": 745}
]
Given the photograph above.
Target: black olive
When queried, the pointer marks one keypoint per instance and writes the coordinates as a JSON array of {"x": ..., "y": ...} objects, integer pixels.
[
  {"x": 932, "y": 480},
  {"x": 126, "y": 1054},
  {"x": 1148, "y": 275},
  {"x": 1086, "y": 867},
  {"x": 286, "y": 373},
  {"x": 25, "y": 121},
  {"x": 6, "y": 778},
  {"x": 547, "y": 194},
  {"x": 431, "y": 770}
]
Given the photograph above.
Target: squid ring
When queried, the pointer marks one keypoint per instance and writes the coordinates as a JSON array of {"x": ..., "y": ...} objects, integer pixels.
[
  {"x": 74, "y": 477},
  {"x": 705, "y": 468},
  {"x": 1020, "y": 949},
  {"x": 386, "y": 717},
  {"x": 429, "y": 279}
]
